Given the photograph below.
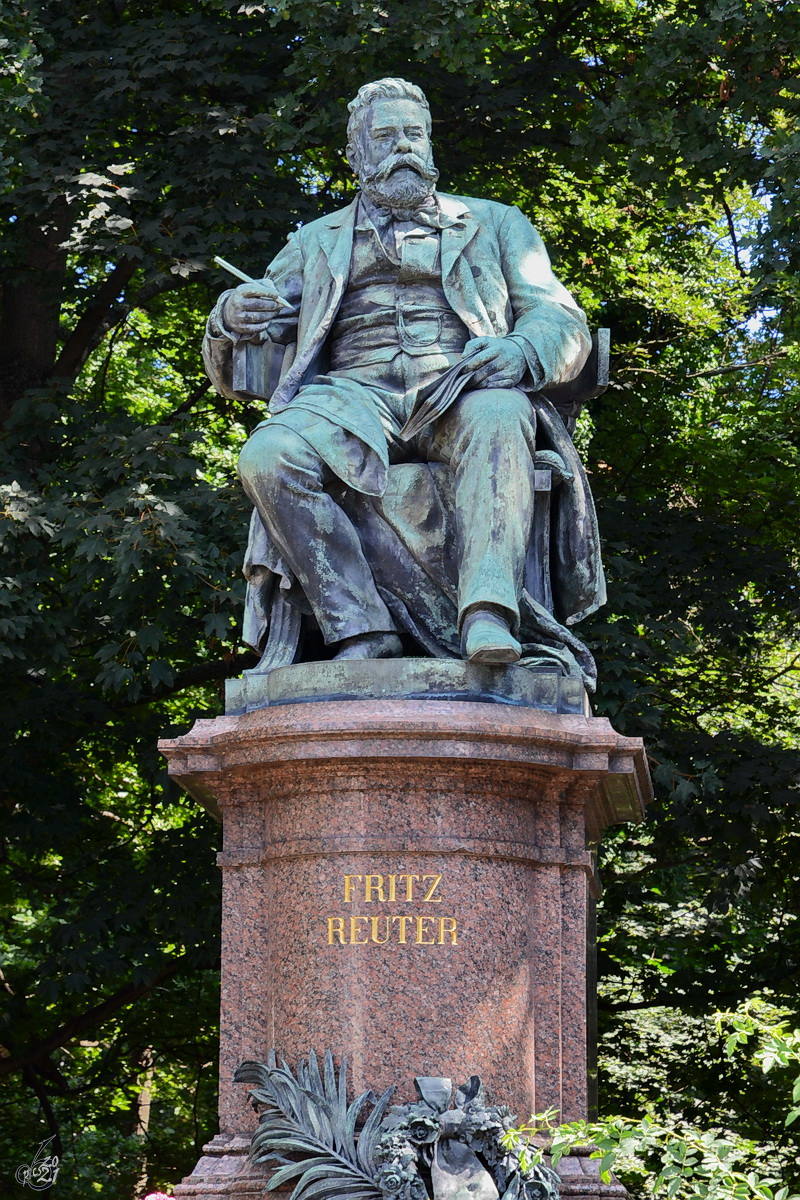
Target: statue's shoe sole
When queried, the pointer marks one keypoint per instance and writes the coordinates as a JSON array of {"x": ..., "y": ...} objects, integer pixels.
[
  {"x": 485, "y": 642},
  {"x": 494, "y": 656}
]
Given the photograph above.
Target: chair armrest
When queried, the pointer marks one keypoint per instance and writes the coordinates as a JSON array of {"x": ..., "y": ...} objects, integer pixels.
[
  {"x": 593, "y": 379},
  {"x": 256, "y": 368}
]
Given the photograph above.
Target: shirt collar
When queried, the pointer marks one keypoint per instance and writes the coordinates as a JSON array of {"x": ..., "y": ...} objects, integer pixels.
[{"x": 430, "y": 212}]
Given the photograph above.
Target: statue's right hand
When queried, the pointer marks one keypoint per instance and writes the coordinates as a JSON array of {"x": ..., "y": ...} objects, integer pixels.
[{"x": 250, "y": 308}]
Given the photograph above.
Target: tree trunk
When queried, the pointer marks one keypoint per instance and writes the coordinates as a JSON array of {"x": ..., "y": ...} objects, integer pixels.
[{"x": 30, "y": 306}]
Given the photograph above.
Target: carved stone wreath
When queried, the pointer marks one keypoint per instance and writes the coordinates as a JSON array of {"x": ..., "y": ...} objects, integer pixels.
[{"x": 427, "y": 1150}]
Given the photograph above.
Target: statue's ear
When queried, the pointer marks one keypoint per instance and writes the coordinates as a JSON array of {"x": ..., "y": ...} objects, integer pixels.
[{"x": 353, "y": 155}]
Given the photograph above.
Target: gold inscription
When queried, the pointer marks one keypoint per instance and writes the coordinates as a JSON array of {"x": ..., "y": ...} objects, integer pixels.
[
  {"x": 384, "y": 889},
  {"x": 422, "y": 929},
  {"x": 448, "y": 925},
  {"x": 380, "y": 941},
  {"x": 402, "y": 923},
  {"x": 373, "y": 883},
  {"x": 405, "y": 928},
  {"x": 429, "y": 898},
  {"x": 348, "y": 887},
  {"x": 399, "y": 927},
  {"x": 409, "y": 885},
  {"x": 355, "y": 940},
  {"x": 336, "y": 930}
]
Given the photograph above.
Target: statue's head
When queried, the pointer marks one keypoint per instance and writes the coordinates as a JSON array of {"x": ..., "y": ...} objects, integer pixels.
[{"x": 389, "y": 143}]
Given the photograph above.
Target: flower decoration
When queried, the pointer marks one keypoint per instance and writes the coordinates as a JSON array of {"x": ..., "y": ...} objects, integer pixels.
[
  {"x": 426, "y": 1150},
  {"x": 391, "y": 1179},
  {"x": 423, "y": 1124},
  {"x": 448, "y": 1145}
]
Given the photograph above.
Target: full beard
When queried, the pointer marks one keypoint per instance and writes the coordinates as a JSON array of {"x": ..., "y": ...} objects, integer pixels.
[{"x": 401, "y": 181}]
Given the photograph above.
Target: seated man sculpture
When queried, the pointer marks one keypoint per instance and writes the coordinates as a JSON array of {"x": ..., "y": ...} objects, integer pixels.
[{"x": 394, "y": 482}]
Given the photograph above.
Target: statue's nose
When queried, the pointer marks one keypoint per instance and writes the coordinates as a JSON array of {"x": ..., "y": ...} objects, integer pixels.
[{"x": 403, "y": 146}]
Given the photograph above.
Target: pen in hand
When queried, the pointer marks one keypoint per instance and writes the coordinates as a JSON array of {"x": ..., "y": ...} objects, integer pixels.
[{"x": 240, "y": 275}]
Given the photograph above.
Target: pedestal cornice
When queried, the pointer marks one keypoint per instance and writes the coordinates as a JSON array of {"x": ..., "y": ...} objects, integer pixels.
[{"x": 587, "y": 748}]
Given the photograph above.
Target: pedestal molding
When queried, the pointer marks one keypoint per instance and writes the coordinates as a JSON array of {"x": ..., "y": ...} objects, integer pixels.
[
  {"x": 531, "y": 853},
  {"x": 410, "y": 730}
]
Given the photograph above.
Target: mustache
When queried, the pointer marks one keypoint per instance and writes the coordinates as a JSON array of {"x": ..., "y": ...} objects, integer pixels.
[{"x": 393, "y": 162}]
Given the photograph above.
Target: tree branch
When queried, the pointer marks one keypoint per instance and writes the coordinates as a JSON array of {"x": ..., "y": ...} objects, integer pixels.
[
  {"x": 734, "y": 240},
  {"x": 200, "y": 673},
  {"x": 81, "y": 341},
  {"x": 190, "y": 402},
  {"x": 103, "y": 314},
  {"x": 89, "y": 1019},
  {"x": 224, "y": 668},
  {"x": 741, "y": 366},
  {"x": 37, "y": 1087}
]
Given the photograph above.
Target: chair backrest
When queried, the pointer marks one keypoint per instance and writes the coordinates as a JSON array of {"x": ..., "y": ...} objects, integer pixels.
[
  {"x": 569, "y": 398},
  {"x": 593, "y": 379}
]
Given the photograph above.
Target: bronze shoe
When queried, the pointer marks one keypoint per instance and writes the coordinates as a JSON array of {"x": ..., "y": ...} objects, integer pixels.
[
  {"x": 370, "y": 645},
  {"x": 486, "y": 638}
]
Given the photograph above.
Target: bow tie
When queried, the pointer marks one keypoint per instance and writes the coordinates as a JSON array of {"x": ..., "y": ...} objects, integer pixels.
[{"x": 427, "y": 213}]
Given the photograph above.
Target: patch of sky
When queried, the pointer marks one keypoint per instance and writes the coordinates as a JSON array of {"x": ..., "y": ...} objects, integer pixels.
[{"x": 760, "y": 319}]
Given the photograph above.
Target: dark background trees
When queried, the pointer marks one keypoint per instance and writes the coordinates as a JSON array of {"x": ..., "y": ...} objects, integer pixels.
[{"x": 655, "y": 145}]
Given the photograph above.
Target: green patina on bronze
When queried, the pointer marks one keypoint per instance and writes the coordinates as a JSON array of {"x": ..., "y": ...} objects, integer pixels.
[
  {"x": 426, "y": 1150},
  {"x": 416, "y": 474}
]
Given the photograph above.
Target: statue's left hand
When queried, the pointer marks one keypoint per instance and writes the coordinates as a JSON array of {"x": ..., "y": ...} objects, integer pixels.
[{"x": 498, "y": 362}]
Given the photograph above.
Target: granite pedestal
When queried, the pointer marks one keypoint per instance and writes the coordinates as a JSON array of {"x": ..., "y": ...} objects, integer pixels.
[{"x": 410, "y": 882}]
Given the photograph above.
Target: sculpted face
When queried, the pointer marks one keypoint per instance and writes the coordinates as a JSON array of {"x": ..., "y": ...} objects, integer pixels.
[{"x": 395, "y": 167}]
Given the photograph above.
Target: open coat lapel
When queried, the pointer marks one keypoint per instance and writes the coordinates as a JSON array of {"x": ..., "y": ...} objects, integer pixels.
[
  {"x": 327, "y": 272},
  {"x": 336, "y": 244},
  {"x": 457, "y": 278},
  {"x": 327, "y": 269}
]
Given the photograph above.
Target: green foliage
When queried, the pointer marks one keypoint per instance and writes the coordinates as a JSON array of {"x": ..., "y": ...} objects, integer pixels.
[
  {"x": 653, "y": 143},
  {"x": 668, "y": 1156},
  {"x": 777, "y": 1047},
  {"x": 686, "y": 1163}
]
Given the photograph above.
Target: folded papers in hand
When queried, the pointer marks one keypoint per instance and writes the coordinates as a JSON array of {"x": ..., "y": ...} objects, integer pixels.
[{"x": 435, "y": 398}]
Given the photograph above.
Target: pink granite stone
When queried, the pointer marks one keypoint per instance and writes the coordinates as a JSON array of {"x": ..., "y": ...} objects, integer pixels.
[{"x": 409, "y": 883}]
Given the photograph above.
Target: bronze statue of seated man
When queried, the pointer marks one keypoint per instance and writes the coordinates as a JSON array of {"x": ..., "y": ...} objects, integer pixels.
[{"x": 395, "y": 480}]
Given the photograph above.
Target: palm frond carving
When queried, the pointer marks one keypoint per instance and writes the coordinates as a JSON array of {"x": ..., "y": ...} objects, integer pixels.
[{"x": 309, "y": 1116}]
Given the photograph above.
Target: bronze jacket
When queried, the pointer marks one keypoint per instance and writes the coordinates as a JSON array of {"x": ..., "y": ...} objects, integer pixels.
[{"x": 495, "y": 273}]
